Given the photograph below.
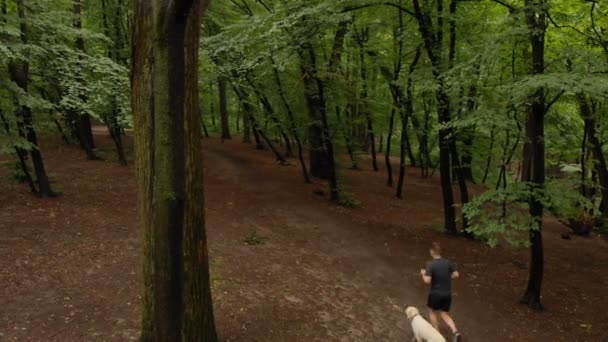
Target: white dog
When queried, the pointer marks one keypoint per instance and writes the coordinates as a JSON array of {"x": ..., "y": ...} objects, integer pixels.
[{"x": 423, "y": 330}]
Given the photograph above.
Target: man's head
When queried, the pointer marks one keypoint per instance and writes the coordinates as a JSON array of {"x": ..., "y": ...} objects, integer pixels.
[{"x": 435, "y": 250}]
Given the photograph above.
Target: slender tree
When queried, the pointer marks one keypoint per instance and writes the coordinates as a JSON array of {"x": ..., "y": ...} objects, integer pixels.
[
  {"x": 432, "y": 35},
  {"x": 221, "y": 86},
  {"x": 534, "y": 161},
  {"x": 19, "y": 72},
  {"x": 81, "y": 119}
]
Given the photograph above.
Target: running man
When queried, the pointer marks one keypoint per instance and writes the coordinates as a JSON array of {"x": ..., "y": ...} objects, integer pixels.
[{"x": 439, "y": 274}]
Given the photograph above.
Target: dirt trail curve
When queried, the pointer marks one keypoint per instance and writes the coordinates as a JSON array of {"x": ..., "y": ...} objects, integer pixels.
[{"x": 320, "y": 275}]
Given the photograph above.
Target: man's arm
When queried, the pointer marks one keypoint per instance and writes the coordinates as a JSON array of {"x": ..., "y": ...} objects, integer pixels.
[
  {"x": 425, "y": 277},
  {"x": 455, "y": 273}
]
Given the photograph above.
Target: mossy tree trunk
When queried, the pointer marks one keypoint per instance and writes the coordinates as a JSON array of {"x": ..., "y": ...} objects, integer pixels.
[{"x": 177, "y": 298}]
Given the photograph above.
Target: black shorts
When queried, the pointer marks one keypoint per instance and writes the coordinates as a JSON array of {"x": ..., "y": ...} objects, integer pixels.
[{"x": 439, "y": 302}]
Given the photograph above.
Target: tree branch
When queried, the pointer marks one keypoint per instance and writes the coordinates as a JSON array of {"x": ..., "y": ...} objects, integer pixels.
[
  {"x": 358, "y": 7},
  {"x": 506, "y": 4},
  {"x": 552, "y": 102}
]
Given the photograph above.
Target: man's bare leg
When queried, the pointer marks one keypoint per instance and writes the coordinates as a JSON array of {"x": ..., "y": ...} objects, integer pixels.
[
  {"x": 449, "y": 321},
  {"x": 433, "y": 319}
]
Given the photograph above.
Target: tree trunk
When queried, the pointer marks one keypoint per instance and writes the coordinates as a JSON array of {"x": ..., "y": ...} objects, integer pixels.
[
  {"x": 535, "y": 170},
  {"x": 344, "y": 127},
  {"x": 270, "y": 113},
  {"x": 407, "y": 110},
  {"x": 246, "y": 128},
  {"x": 177, "y": 298},
  {"x": 292, "y": 121},
  {"x": 114, "y": 128},
  {"x": 425, "y": 151},
  {"x": 114, "y": 53},
  {"x": 224, "y": 108},
  {"x": 387, "y": 155},
  {"x": 322, "y": 164},
  {"x": 434, "y": 47},
  {"x": 21, "y": 155},
  {"x": 402, "y": 152},
  {"x": 19, "y": 73},
  {"x": 462, "y": 184},
  {"x": 410, "y": 151},
  {"x": 83, "y": 120},
  {"x": 257, "y": 128},
  {"x": 490, "y": 154},
  {"x": 468, "y": 136},
  {"x": 362, "y": 38},
  {"x": 601, "y": 166}
]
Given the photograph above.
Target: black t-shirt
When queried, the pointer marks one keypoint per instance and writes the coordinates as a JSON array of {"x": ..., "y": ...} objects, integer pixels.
[{"x": 440, "y": 271}]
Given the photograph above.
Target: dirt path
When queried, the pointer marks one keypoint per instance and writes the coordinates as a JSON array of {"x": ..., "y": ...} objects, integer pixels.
[
  {"x": 70, "y": 267},
  {"x": 327, "y": 275}
]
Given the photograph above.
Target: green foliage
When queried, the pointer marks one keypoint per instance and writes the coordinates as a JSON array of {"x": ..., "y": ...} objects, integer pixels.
[
  {"x": 347, "y": 200},
  {"x": 488, "y": 221},
  {"x": 16, "y": 173},
  {"x": 62, "y": 79},
  {"x": 254, "y": 239}
]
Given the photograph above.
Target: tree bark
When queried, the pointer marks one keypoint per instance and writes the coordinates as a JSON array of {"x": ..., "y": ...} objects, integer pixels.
[
  {"x": 246, "y": 128},
  {"x": 322, "y": 164},
  {"x": 177, "y": 298},
  {"x": 19, "y": 73},
  {"x": 601, "y": 166},
  {"x": 114, "y": 53},
  {"x": 407, "y": 110},
  {"x": 83, "y": 120},
  {"x": 257, "y": 128},
  {"x": 272, "y": 115},
  {"x": 387, "y": 155},
  {"x": 535, "y": 168},
  {"x": 292, "y": 121},
  {"x": 433, "y": 41},
  {"x": 362, "y": 38},
  {"x": 225, "y": 122},
  {"x": 21, "y": 155}
]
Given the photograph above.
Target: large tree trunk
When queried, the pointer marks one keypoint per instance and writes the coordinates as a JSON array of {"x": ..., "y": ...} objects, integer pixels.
[
  {"x": 221, "y": 82},
  {"x": 177, "y": 295},
  {"x": 19, "y": 73},
  {"x": 534, "y": 171}
]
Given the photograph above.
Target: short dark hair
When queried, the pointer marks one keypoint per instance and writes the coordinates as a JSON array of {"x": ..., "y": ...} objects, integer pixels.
[{"x": 435, "y": 247}]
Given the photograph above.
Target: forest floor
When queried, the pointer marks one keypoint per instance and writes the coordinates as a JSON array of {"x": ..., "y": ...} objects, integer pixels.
[{"x": 70, "y": 267}]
